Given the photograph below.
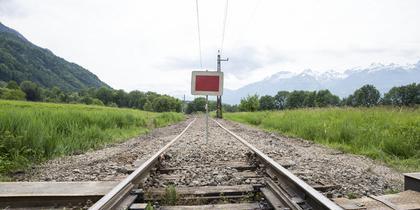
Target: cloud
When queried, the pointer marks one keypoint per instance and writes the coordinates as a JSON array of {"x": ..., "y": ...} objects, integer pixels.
[
  {"x": 148, "y": 45},
  {"x": 10, "y": 8},
  {"x": 242, "y": 61}
]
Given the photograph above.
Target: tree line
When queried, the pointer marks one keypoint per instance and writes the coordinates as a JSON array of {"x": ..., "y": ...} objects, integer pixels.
[
  {"x": 366, "y": 96},
  {"x": 148, "y": 101}
]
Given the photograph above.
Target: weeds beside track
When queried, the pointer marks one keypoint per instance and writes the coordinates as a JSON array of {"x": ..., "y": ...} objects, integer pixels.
[
  {"x": 388, "y": 134},
  {"x": 33, "y": 132}
]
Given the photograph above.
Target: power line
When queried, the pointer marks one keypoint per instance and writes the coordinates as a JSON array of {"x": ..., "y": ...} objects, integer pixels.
[
  {"x": 198, "y": 29},
  {"x": 245, "y": 26},
  {"x": 224, "y": 25}
]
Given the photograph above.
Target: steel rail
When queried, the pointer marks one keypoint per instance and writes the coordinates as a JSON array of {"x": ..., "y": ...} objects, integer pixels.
[
  {"x": 385, "y": 202},
  {"x": 315, "y": 199},
  {"x": 112, "y": 199}
]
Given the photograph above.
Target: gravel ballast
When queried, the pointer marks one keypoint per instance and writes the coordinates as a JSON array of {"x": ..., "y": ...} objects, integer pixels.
[{"x": 201, "y": 164}]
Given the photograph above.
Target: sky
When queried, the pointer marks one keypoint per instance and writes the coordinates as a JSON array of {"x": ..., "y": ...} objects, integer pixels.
[{"x": 153, "y": 45}]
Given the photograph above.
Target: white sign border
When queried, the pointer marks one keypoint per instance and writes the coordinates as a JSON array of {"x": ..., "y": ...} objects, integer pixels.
[{"x": 206, "y": 73}]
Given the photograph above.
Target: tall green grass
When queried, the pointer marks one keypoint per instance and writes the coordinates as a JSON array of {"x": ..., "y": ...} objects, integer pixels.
[
  {"x": 33, "y": 132},
  {"x": 388, "y": 134}
]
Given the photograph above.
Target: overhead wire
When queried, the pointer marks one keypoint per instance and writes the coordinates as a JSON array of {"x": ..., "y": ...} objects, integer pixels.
[
  {"x": 224, "y": 25},
  {"x": 199, "y": 36},
  {"x": 248, "y": 23}
]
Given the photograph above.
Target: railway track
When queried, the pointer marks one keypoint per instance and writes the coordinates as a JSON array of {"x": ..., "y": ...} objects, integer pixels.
[
  {"x": 226, "y": 173},
  {"x": 235, "y": 175}
]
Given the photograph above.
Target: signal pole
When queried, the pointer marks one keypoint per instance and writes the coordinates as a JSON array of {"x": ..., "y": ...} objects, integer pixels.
[{"x": 219, "y": 98}]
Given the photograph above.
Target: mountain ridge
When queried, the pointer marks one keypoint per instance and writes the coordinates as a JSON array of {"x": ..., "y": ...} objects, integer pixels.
[
  {"x": 6, "y": 29},
  {"x": 21, "y": 60},
  {"x": 383, "y": 77}
]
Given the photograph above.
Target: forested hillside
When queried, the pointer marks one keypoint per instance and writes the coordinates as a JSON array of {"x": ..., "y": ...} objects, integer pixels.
[{"x": 21, "y": 60}]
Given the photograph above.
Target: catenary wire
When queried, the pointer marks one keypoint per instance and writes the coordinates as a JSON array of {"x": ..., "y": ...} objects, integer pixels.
[
  {"x": 224, "y": 25},
  {"x": 198, "y": 32}
]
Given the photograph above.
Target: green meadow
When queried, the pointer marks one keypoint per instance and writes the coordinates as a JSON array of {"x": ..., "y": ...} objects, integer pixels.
[
  {"x": 391, "y": 135},
  {"x": 34, "y": 132}
]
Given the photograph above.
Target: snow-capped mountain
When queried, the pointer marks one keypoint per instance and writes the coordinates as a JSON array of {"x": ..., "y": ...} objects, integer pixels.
[{"x": 383, "y": 77}]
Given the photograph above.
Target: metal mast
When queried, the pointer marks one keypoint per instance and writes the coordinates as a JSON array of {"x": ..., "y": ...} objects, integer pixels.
[{"x": 219, "y": 98}]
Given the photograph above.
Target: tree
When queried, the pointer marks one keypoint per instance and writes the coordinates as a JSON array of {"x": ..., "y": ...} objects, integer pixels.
[
  {"x": 91, "y": 92},
  {"x": 166, "y": 104},
  {"x": 12, "y": 85},
  {"x": 135, "y": 99},
  {"x": 392, "y": 97},
  {"x": 349, "y": 101},
  {"x": 150, "y": 96},
  {"x": 267, "y": 102},
  {"x": 296, "y": 99},
  {"x": 3, "y": 84},
  {"x": 105, "y": 94},
  {"x": 97, "y": 102},
  {"x": 418, "y": 91},
  {"x": 407, "y": 95},
  {"x": 148, "y": 106},
  {"x": 12, "y": 94},
  {"x": 54, "y": 95},
  {"x": 197, "y": 105},
  {"x": 32, "y": 90},
  {"x": 230, "y": 108},
  {"x": 87, "y": 100},
  {"x": 280, "y": 99},
  {"x": 64, "y": 98},
  {"x": 73, "y": 97},
  {"x": 310, "y": 99},
  {"x": 112, "y": 104},
  {"x": 249, "y": 104},
  {"x": 367, "y": 95},
  {"x": 326, "y": 98},
  {"x": 121, "y": 98}
]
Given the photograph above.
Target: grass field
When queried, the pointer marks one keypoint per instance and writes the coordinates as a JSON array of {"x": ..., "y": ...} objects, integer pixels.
[
  {"x": 33, "y": 132},
  {"x": 391, "y": 135}
]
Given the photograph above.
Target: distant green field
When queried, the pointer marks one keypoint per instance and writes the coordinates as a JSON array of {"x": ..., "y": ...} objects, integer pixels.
[
  {"x": 388, "y": 134},
  {"x": 33, "y": 132}
]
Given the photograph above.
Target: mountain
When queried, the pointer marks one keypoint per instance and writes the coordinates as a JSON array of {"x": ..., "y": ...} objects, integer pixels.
[
  {"x": 383, "y": 77},
  {"x": 21, "y": 60}
]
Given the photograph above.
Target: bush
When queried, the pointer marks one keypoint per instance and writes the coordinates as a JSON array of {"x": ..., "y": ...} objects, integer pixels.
[
  {"x": 32, "y": 90},
  {"x": 12, "y": 85},
  {"x": 12, "y": 94},
  {"x": 97, "y": 102},
  {"x": 166, "y": 104}
]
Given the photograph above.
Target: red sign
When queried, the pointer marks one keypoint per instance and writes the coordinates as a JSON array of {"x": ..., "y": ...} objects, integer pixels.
[{"x": 207, "y": 83}]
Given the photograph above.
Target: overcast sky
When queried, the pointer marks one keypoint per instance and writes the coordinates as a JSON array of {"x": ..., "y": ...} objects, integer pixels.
[{"x": 153, "y": 45}]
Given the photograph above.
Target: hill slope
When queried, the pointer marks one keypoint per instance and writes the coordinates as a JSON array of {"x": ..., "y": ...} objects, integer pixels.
[
  {"x": 383, "y": 77},
  {"x": 21, "y": 60}
]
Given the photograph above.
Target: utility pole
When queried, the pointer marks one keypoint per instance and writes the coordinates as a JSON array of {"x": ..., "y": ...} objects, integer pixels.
[
  {"x": 183, "y": 105},
  {"x": 219, "y": 98}
]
